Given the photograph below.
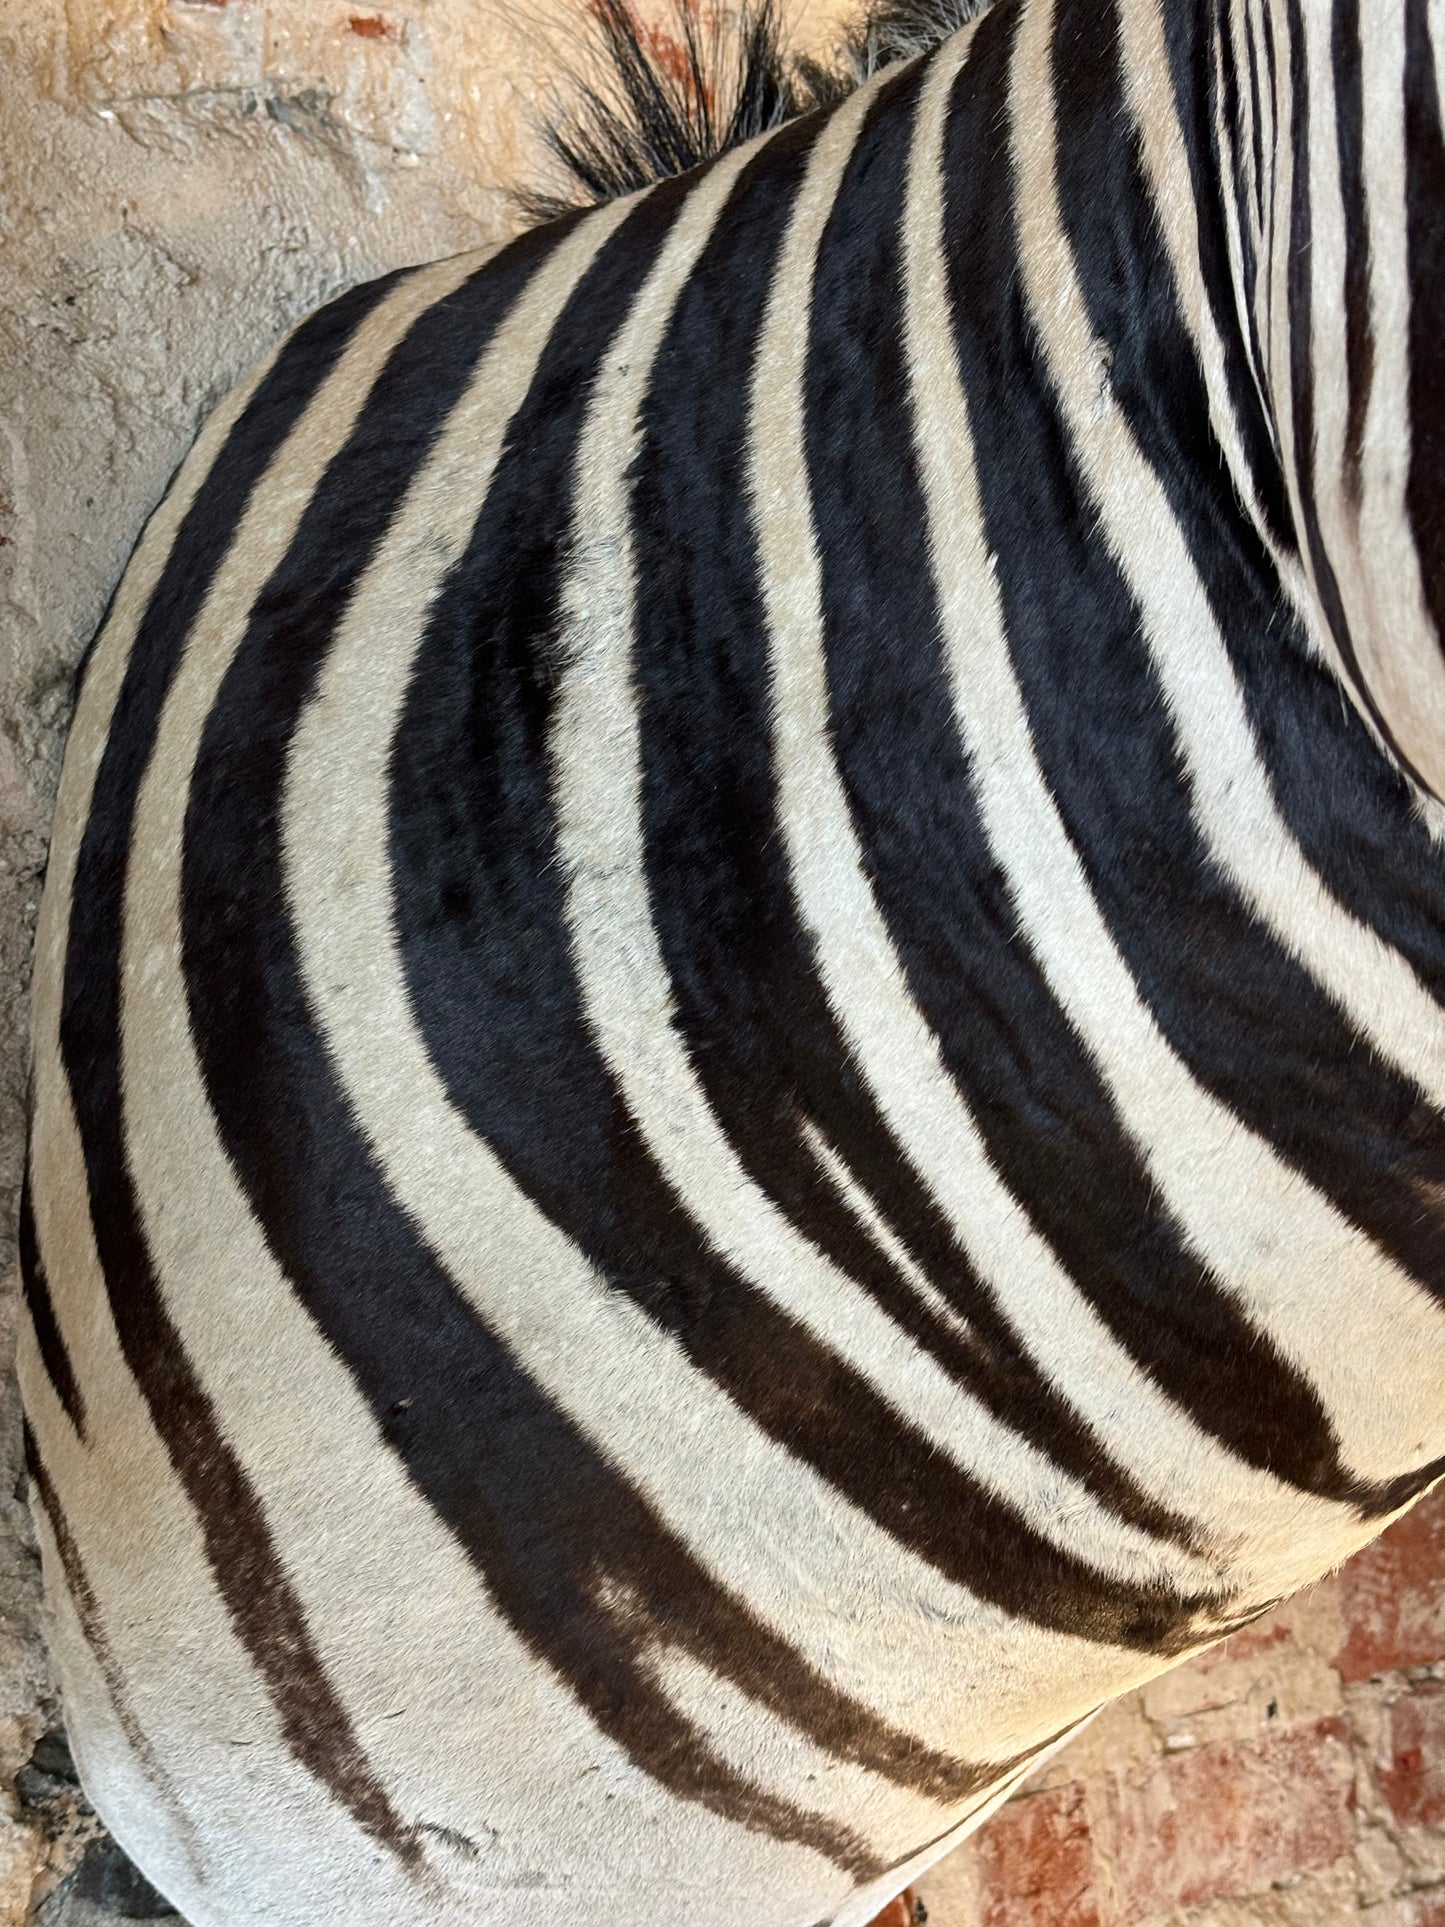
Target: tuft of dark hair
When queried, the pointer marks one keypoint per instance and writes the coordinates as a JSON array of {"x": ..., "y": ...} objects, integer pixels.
[
  {"x": 673, "y": 96},
  {"x": 891, "y": 30},
  {"x": 668, "y": 97}
]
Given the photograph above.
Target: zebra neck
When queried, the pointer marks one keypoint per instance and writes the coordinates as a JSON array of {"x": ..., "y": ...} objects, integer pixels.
[
  {"x": 1094, "y": 417},
  {"x": 1328, "y": 297}
]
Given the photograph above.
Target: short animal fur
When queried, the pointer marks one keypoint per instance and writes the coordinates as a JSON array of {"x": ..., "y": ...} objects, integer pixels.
[{"x": 739, "y": 1049}]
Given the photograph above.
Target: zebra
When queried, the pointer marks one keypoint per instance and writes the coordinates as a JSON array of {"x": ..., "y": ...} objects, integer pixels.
[{"x": 738, "y": 1040}]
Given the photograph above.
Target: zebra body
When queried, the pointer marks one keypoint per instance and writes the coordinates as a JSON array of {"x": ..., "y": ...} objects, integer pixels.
[{"x": 738, "y": 1030}]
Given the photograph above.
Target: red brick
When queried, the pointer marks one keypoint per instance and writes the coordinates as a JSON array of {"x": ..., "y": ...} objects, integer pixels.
[
  {"x": 901, "y": 1912},
  {"x": 1035, "y": 1862},
  {"x": 1392, "y": 1596},
  {"x": 1230, "y": 1818},
  {"x": 1413, "y": 1780},
  {"x": 1254, "y": 1640}
]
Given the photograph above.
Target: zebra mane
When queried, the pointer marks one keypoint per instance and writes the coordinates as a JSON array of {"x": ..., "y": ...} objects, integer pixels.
[{"x": 662, "y": 96}]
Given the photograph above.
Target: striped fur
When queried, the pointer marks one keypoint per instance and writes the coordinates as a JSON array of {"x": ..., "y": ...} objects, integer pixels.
[{"x": 739, "y": 1056}]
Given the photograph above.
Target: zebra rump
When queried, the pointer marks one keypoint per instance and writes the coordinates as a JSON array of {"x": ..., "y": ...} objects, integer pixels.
[{"x": 739, "y": 1025}]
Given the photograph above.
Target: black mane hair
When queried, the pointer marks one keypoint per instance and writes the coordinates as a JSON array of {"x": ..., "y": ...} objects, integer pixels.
[{"x": 669, "y": 96}]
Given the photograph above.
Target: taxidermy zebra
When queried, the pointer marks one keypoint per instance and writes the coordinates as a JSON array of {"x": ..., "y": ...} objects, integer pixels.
[{"x": 739, "y": 1055}]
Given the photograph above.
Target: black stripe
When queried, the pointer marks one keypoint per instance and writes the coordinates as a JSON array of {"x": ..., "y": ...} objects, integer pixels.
[
  {"x": 263, "y": 1606},
  {"x": 1240, "y": 348},
  {"x": 1425, "y": 239},
  {"x": 575, "y": 1559},
  {"x": 1257, "y": 127},
  {"x": 1050, "y": 1128},
  {"x": 1066, "y": 616},
  {"x": 1350, "y": 810},
  {"x": 1352, "y": 813},
  {"x": 1348, "y": 74},
  {"x": 1263, "y": 45},
  {"x": 36, "y": 1286},
  {"x": 91, "y": 1620},
  {"x": 1248, "y": 1020},
  {"x": 1227, "y": 111}
]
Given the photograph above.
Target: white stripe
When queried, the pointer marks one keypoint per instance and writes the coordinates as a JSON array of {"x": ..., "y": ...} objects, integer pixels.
[
  {"x": 60, "y": 1189},
  {"x": 1399, "y": 649},
  {"x": 1372, "y": 556},
  {"x": 198, "y": 1699},
  {"x": 866, "y": 985},
  {"x": 1156, "y": 120},
  {"x": 867, "y": 1215},
  {"x": 1327, "y": 259},
  {"x": 1243, "y": 29},
  {"x": 1326, "y": 1296},
  {"x": 1248, "y": 191},
  {"x": 1281, "y": 158},
  {"x": 1338, "y": 518},
  {"x": 217, "y": 1279},
  {"x": 1264, "y": 293},
  {"x": 773, "y": 1755}
]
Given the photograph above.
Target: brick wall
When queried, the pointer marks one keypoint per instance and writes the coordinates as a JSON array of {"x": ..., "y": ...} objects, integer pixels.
[{"x": 1293, "y": 1777}]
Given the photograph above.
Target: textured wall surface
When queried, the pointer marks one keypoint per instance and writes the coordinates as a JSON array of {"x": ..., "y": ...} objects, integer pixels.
[{"x": 180, "y": 180}]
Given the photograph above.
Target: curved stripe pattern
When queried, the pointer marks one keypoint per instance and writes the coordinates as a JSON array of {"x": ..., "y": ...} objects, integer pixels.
[{"x": 739, "y": 1058}]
